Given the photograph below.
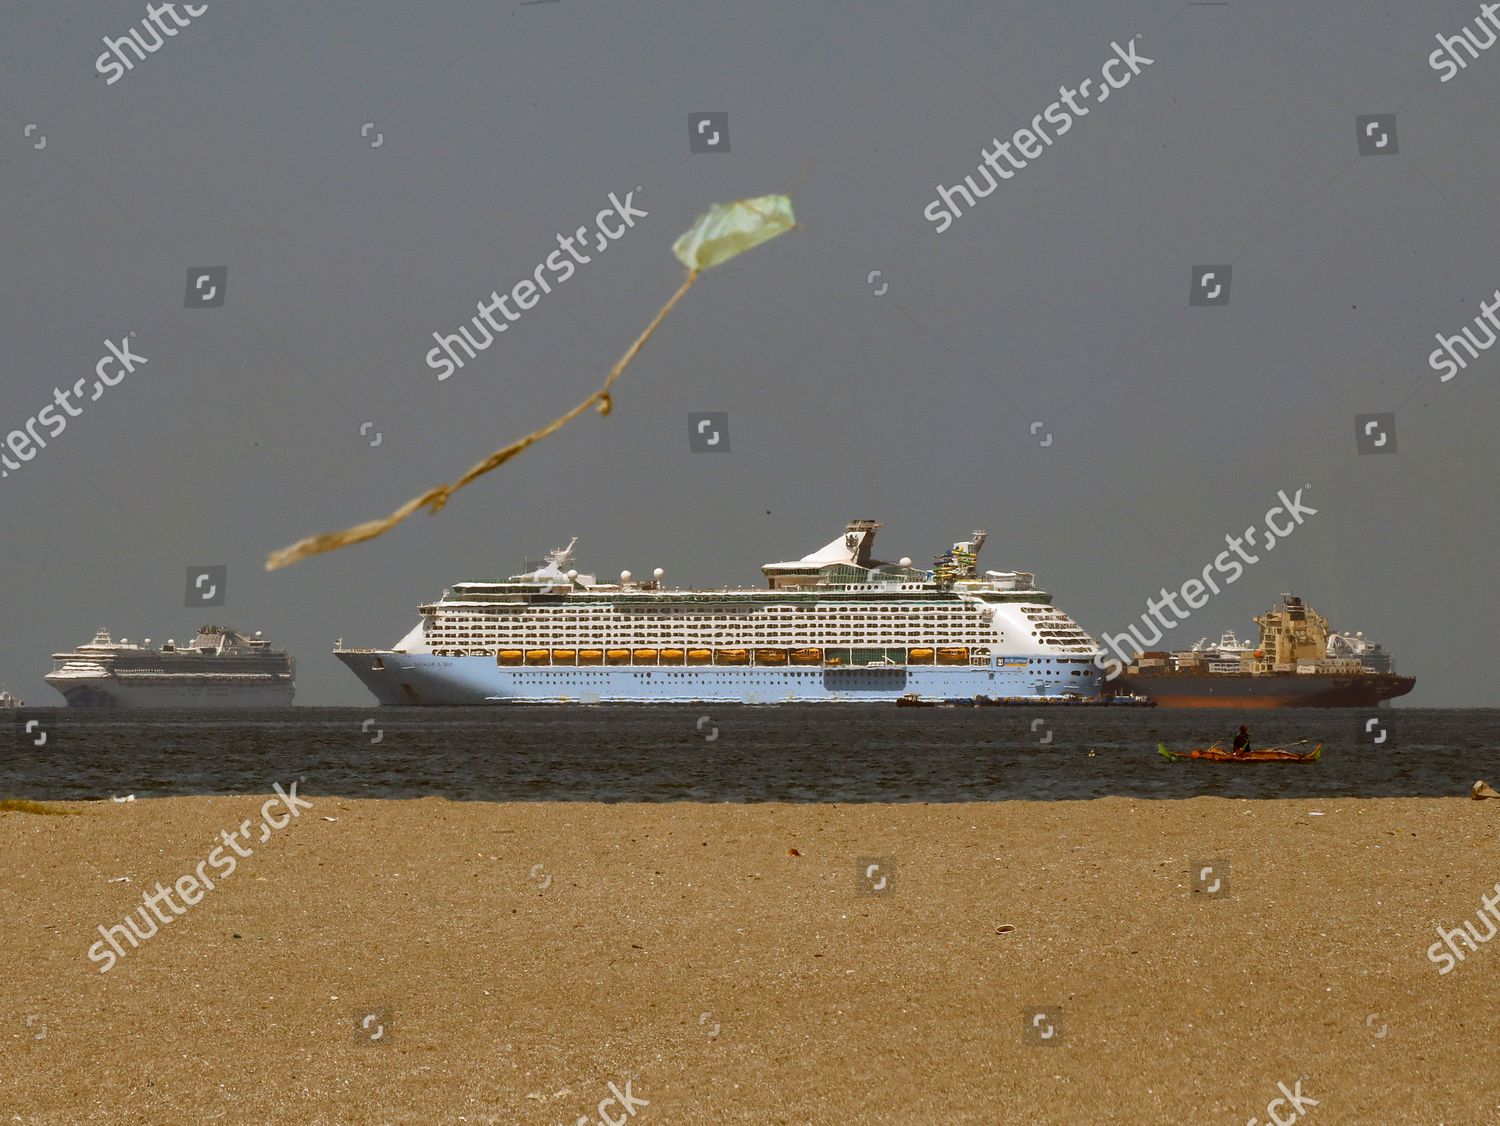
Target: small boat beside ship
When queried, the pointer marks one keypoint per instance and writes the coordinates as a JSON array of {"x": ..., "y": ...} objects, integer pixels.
[{"x": 9, "y": 701}]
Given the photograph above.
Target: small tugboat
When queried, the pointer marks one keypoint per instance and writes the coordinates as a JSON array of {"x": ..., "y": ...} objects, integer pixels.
[
  {"x": 912, "y": 700},
  {"x": 9, "y": 701},
  {"x": 1267, "y": 754}
]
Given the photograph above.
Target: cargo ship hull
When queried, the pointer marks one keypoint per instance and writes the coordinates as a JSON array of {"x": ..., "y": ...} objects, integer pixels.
[{"x": 1264, "y": 691}]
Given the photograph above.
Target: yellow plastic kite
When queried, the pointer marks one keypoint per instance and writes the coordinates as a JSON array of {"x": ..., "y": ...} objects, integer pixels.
[{"x": 725, "y": 230}]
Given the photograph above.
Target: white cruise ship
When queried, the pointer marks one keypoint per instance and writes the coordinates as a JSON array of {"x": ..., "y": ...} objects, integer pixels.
[
  {"x": 835, "y": 625},
  {"x": 220, "y": 669}
]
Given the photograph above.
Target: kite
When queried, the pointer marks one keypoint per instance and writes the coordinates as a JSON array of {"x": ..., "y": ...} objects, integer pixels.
[{"x": 721, "y": 233}]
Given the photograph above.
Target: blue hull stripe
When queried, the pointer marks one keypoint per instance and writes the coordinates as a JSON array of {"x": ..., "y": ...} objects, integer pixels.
[{"x": 424, "y": 679}]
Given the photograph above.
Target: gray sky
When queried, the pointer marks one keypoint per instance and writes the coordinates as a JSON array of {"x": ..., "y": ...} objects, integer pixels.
[{"x": 1060, "y": 299}]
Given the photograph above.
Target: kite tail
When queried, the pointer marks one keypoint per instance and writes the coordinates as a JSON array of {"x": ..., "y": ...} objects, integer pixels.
[{"x": 434, "y": 499}]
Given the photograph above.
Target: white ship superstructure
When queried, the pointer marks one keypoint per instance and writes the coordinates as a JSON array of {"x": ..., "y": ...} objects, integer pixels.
[
  {"x": 1355, "y": 646},
  {"x": 834, "y": 625},
  {"x": 220, "y": 669},
  {"x": 1225, "y": 656}
]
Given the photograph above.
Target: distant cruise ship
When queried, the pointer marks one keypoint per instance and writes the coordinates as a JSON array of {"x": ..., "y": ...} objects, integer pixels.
[
  {"x": 835, "y": 625},
  {"x": 220, "y": 669}
]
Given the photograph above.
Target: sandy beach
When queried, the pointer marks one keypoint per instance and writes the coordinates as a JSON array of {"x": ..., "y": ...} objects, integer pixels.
[{"x": 430, "y": 960}]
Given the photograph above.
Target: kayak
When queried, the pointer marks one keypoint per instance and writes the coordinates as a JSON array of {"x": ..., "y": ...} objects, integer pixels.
[{"x": 1267, "y": 754}]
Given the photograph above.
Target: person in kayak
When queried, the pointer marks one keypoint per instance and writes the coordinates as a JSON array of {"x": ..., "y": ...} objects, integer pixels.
[{"x": 1242, "y": 741}]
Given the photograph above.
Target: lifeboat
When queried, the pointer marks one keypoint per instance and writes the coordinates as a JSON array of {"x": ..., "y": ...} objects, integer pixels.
[
  {"x": 536, "y": 656},
  {"x": 672, "y": 656},
  {"x": 645, "y": 656},
  {"x": 564, "y": 656},
  {"x": 770, "y": 656},
  {"x": 699, "y": 656},
  {"x": 590, "y": 656},
  {"x": 734, "y": 656},
  {"x": 956, "y": 655},
  {"x": 807, "y": 656},
  {"x": 617, "y": 656},
  {"x": 510, "y": 656},
  {"x": 919, "y": 656}
]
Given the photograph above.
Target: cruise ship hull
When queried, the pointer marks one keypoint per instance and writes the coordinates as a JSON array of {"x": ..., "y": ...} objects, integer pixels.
[
  {"x": 111, "y": 692},
  {"x": 424, "y": 679},
  {"x": 1265, "y": 691}
]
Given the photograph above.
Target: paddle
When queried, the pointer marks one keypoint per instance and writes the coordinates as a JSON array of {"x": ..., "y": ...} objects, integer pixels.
[{"x": 1282, "y": 747}]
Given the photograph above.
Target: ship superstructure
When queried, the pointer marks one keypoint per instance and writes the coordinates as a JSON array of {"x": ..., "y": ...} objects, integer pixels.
[
  {"x": 1223, "y": 656},
  {"x": 835, "y": 625},
  {"x": 1298, "y": 662},
  {"x": 219, "y": 669}
]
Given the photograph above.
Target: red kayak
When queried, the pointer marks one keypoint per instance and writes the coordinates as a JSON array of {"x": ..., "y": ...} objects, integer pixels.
[{"x": 1219, "y": 754}]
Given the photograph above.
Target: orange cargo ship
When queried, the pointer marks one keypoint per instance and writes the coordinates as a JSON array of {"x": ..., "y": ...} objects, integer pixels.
[{"x": 1298, "y": 663}]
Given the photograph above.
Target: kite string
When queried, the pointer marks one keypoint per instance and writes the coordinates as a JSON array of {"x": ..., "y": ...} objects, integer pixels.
[
  {"x": 434, "y": 499},
  {"x": 601, "y": 397}
]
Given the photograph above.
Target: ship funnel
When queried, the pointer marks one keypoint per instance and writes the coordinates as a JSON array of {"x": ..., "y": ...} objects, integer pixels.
[{"x": 859, "y": 538}]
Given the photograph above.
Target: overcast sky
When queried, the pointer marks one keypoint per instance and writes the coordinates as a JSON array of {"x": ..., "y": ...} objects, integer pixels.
[{"x": 368, "y": 172}]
